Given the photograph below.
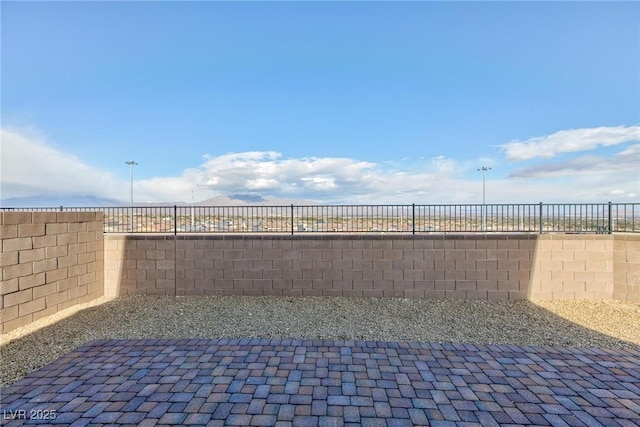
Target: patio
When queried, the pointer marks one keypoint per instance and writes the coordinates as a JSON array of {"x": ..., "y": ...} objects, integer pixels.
[{"x": 314, "y": 382}]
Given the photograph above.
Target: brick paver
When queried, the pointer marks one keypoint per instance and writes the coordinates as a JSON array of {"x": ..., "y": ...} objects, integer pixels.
[{"x": 266, "y": 382}]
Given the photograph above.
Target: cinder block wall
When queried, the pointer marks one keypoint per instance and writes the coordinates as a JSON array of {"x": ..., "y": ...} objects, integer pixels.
[
  {"x": 356, "y": 265},
  {"x": 139, "y": 264},
  {"x": 555, "y": 266},
  {"x": 423, "y": 266},
  {"x": 574, "y": 266},
  {"x": 50, "y": 261},
  {"x": 626, "y": 267}
]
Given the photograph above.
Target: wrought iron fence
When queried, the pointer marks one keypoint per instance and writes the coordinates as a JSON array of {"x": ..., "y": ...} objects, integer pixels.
[{"x": 469, "y": 218}]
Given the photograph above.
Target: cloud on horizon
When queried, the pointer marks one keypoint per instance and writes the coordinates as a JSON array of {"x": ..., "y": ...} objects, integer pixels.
[
  {"x": 570, "y": 141},
  {"x": 30, "y": 166},
  {"x": 267, "y": 172},
  {"x": 622, "y": 162}
]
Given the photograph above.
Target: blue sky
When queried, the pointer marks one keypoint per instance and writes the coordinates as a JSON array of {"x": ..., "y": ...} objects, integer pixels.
[{"x": 340, "y": 102}]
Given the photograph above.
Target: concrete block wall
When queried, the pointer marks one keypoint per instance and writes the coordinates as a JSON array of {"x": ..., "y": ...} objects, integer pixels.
[
  {"x": 574, "y": 266},
  {"x": 553, "y": 266},
  {"x": 422, "y": 266},
  {"x": 626, "y": 267},
  {"x": 139, "y": 264},
  {"x": 50, "y": 261}
]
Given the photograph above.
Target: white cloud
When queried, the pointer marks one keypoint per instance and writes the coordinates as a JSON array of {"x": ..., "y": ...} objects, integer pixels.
[
  {"x": 625, "y": 161},
  {"x": 586, "y": 178},
  {"x": 31, "y": 167},
  {"x": 166, "y": 189},
  {"x": 320, "y": 183},
  {"x": 269, "y": 173},
  {"x": 568, "y": 141}
]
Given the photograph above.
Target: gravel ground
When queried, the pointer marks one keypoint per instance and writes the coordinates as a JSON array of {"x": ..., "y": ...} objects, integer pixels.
[{"x": 557, "y": 323}]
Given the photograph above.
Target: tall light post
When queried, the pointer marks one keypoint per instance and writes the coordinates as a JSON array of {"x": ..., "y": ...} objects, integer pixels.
[
  {"x": 484, "y": 170},
  {"x": 131, "y": 163}
]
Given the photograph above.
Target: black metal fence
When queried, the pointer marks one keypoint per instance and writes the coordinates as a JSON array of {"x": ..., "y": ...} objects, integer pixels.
[{"x": 470, "y": 218}]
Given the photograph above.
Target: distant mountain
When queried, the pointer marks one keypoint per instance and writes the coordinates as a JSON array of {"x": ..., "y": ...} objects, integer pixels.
[
  {"x": 252, "y": 200},
  {"x": 54, "y": 201}
]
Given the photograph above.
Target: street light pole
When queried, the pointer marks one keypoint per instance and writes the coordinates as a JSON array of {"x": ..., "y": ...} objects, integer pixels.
[
  {"x": 484, "y": 170},
  {"x": 131, "y": 163}
]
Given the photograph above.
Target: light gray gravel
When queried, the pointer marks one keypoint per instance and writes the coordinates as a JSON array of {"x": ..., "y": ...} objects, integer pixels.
[{"x": 557, "y": 323}]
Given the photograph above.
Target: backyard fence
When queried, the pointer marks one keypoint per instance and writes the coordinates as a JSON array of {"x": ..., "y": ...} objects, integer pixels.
[{"x": 469, "y": 218}]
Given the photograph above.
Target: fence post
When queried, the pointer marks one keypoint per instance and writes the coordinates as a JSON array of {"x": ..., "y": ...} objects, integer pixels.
[
  {"x": 175, "y": 220},
  {"x": 540, "y": 218},
  {"x": 61, "y": 208},
  {"x": 610, "y": 220},
  {"x": 413, "y": 218},
  {"x": 292, "y": 219}
]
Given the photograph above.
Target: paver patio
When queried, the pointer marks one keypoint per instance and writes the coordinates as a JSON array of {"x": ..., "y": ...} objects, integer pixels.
[{"x": 267, "y": 382}]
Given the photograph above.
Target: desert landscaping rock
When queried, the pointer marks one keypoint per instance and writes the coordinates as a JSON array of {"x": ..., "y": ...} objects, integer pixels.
[{"x": 556, "y": 323}]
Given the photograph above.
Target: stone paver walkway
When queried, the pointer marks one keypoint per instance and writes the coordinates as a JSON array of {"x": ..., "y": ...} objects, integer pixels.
[{"x": 262, "y": 382}]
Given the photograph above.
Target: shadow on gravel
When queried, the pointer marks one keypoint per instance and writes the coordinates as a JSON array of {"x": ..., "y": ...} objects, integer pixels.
[{"x": 523, "y": 323}]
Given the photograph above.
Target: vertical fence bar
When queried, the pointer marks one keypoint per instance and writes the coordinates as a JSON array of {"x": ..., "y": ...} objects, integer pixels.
[
  {"x": 413, "y": 218},
  {"x": 292, "y": 219},
  {"x": 540, "y": 218},
  {"x": 175, "y": 220},
  {"x": 609, "y": 219}
]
